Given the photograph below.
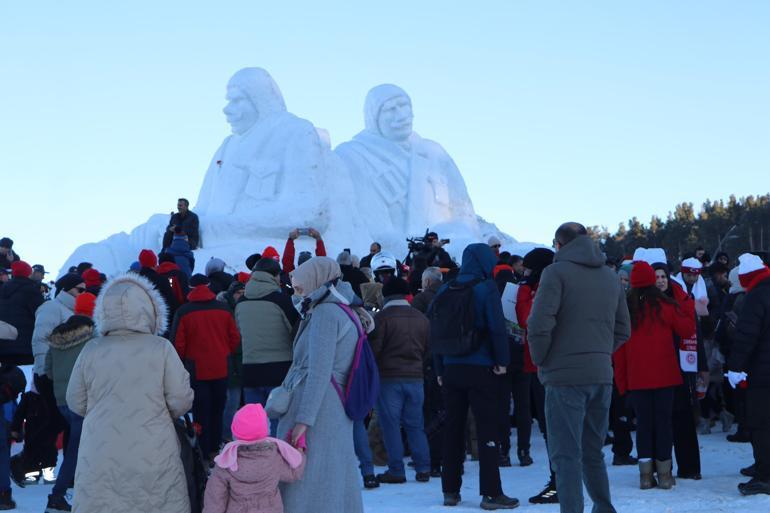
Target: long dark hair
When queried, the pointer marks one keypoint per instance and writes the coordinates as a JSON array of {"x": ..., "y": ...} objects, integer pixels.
[{"x": 639, "y": 299}]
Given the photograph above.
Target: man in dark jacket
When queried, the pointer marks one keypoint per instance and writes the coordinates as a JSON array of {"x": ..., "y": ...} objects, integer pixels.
[
  {"x": 7, "y": 256},
  {"x": 19, "y": 299},
  {"x": 351, "y": 274},
  {"x": 749, "y": 366},
  {"x": 375, "y": 248},
  {"x": 179, "y": 281},
  {"x": 149, "y": 262},
  {"x": 469, "y": 380},
  {"x": 187, "y": 220},
  {"x": 204, "y": 334},
  {"x": 400, "y": 345},
  {"x": 431, "y": 282},
  {"x": 579, "y": 318}
]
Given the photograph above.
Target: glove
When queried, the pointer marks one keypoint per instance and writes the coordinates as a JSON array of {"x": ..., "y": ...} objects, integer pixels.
[{"x": 736, "y": 378}]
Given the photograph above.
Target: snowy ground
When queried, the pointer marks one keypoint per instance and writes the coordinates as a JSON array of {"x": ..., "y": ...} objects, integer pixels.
[{"x": 716, "y": 493}]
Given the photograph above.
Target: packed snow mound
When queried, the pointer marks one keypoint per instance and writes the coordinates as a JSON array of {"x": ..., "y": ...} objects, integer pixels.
[{"x": 276, "y": 172}]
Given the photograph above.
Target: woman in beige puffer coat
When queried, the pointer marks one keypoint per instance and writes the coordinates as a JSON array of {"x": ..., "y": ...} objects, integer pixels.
[{"x": 129, "y": 384}]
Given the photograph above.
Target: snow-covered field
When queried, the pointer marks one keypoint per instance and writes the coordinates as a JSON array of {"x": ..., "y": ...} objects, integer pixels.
[{"x": 716, "y": 493}]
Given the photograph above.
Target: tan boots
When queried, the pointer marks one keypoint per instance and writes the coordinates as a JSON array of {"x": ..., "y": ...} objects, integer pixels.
[
  {"x": 647, "y": 478},
  {"x": 665, "y": 478}
]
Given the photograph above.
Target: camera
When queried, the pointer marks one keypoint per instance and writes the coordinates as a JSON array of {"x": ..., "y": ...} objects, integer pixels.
[{"x": 303, "y": 232}]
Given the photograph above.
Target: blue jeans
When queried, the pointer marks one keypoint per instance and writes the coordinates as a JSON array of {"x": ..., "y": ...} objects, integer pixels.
[
  {"x": 232, "y": 405},
  {"x": 259, "y": 395},
  {"x": 66, "y": 477},
  {"x": 400, "y": 405},
  {"x": 5, "y": 457},
  {"x": 363, "y": 451},
  {"x": 578, "y": 419}
]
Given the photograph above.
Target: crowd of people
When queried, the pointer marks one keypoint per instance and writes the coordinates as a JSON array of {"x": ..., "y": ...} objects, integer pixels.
[{"x": 302, "y": 366}]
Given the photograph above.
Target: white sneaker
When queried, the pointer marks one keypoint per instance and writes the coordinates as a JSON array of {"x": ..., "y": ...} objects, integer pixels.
[
  {"x": 31, "y": 478},
  {"x": 48, "y": 475}
]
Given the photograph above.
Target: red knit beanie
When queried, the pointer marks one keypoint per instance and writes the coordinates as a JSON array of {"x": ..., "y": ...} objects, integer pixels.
[
  {"x": 271, "y": 252},
  {"x": 92, "y": 278},
  {"x": 243, "y": 277},
  {"x": 642, "y": 276},
  {"x": 21, "y": 269},
  {"x": 148, "y": 258},
  {"x": 85, "y": 304}
]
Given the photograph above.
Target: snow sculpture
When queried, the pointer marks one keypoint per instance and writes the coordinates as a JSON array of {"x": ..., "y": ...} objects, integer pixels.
[{"x": 406, "y": 183}]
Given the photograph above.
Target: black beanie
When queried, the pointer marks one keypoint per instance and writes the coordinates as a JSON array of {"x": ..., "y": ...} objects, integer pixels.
[
  {"x": 67, "y": 282},
  {"x": 269, "y": 266},
  {"x": 252, "y": 260},
  {"x": 199, "y": 279},
  {"x": 396, "y": 287},
  {"x": 538, "y": 259}
]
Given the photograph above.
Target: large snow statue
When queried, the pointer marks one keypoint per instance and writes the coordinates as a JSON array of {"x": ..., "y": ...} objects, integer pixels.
[
  {"x": 404, "y": 182},
  {"x": 264, "y": 177}
]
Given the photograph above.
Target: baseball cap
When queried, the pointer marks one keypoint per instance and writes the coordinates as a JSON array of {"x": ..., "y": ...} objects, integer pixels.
[{"x": 39, "y": 269}]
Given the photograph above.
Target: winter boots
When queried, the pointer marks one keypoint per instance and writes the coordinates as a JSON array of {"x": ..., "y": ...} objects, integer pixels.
[
  {"x": 665, "y": 478},
  {"x": 646, "y": 477},
  {"x": 6, "y": 501},
  {"x": 525, "y": 459},
  {"x": 500, "y": 502}
]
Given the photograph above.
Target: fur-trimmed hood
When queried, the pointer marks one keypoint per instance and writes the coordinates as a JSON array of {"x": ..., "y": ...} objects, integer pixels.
[
  {"x": 75, "y": 331},
  {"x": 130, "y": 302}
]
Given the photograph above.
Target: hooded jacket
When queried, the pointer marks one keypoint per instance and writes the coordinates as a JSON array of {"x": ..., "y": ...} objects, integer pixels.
[
  {"x": 19, "y": 299},
  {"x": 48, "y": 316},
  {"x": 579, "y": 317},
  {"x": 478, "y": 263},
  {"x": 130, "y": 385},
  {"x": 181, "y": 250},
  {"x": 266, "y": 319},
  {"x": 67, "y": 340},
  {"x": 204, "y": 332}
]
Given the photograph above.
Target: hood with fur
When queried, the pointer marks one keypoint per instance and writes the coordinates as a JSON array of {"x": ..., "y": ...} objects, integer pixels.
[
  {"x": 75, "y": 331},
  {"x": 130, "y": 302}
]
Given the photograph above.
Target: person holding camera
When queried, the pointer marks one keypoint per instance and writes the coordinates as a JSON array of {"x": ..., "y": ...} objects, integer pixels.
[
  {"x": 289, "y": 250},
  {"x": 429, "y": 252}
]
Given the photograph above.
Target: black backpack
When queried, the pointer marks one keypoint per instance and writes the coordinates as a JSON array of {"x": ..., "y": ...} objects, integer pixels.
[
  {"x": 195, "y": 469},
  {"x": 452, "y": 318}
]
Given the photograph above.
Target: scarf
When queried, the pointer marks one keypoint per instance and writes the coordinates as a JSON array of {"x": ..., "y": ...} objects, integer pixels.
[{"x": 228, "y": 458}]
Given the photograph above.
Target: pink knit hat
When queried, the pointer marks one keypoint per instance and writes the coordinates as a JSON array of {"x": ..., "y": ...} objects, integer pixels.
[{"x": 250, "y": 423}]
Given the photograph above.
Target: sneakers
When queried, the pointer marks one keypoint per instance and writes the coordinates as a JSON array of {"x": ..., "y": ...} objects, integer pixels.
[
  {"x": 525, "y": 459},
  {"x": 48, "y": 476},
  {"x": 422, "y": 477},
  {"x": 6, "y": 501},
  {"x": 665, "y": 480},
  {"x": 452, "y": 499},
  {"x": 500, "y": 502},
  {"x": 57, "y": 504},
  {"x": 754, "y": 487},
  {"x": 620, "y": 460},
  {"x": 547, "y": 496},
  {"x": 749, "y": 471},
  {"x": 371, "y": 482},
  {"x": 388, "y": 478}
]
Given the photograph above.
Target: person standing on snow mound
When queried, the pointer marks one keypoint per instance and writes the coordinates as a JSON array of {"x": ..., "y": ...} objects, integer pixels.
[{"x": 579, "y": 318}]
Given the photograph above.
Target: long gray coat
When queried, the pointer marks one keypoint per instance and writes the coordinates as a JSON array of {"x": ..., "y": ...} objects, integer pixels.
[
  {"x": 129, "y": 384},
  {"x": 325, "y": 344}
]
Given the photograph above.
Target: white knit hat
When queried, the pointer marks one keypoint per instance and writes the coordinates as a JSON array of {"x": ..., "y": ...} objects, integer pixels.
[
  {"x": 692, "y": 264},
  {"x": 655, "y": 256},
  {"x": 494, "y": 241},
  {"x": 639, "y": 255},
  {"x": 749, "y": 263}
]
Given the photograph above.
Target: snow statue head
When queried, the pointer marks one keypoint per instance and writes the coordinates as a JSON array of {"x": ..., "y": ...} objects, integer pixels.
[
  {"x": 251, "y": 94},
  {"x": 388, "y": 112}
]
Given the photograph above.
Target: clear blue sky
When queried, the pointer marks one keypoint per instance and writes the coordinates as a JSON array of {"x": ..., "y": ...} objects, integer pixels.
[{"x": 593, "y": 111}]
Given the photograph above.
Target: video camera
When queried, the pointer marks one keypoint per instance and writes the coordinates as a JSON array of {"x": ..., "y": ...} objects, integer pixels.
[{"x": 420, "y": 244}]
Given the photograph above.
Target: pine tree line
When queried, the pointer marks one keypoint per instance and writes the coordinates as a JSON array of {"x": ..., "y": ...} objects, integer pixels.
[{"x": 735, "y": 226}]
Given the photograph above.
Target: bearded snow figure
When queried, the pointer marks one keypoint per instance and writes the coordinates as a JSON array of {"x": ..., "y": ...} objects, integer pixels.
[
  {"x": 411, "y": 180},
  {"x": 272, "y": 159}
]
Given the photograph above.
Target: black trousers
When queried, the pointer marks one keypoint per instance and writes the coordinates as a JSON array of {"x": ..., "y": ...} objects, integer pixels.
[
  {"x": 40, "y": 439},
  {"x": 620, "y": 423},
  {"x": 208, "y": 409},
  {"x": 654, "y": 427},
  {"x": 435, "y": 417},
  {"x": 686, "y": 448},
  {"x": 758, "y": 420},
  {"x": 474, "y": 386},
  {"x": 504, "y": 389}
]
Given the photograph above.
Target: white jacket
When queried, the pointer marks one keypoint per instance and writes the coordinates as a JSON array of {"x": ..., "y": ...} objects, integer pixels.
[{"x": 49, "y": 315}]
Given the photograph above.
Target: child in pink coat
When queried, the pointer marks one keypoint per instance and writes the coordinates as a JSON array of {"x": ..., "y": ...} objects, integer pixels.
[{"x": 247, "y": 471}]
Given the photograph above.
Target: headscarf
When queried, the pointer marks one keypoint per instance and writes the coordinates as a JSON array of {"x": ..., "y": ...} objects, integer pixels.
[
  {"x": 314, "y": 273},
  {"x": 376, "y": 97}
]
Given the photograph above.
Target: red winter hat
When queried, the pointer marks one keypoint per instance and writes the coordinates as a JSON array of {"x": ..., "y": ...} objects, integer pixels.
[
  {"x": 243, "y": 277},
  {"x": 85, "y": 304},
  {"x": 21, "y": 269},
  {"x": 642, "y": 276},
  {"x": 148, "y": 258},
  {"x": 271, "y": 252},
  {"x": 91, "y": 278}
]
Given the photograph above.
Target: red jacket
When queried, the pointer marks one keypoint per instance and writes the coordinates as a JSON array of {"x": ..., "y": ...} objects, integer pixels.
[
  {"x": 524, "y": 300},
  {"x": 501, "y": 267},
  {"x": 650, "y": 359},
  {"x": 288, "y": 254},
  {"x": 205, "y": 333}
]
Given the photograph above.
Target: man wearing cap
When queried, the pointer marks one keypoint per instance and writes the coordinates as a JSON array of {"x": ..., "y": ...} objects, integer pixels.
[
  {"x": 7, "y": 256},
  {"x": 19, "y": 299},
  {"x": 749, "y": 365},
  {"x": 38, "y": 273},
  {"x": 40, "y": 451}
]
